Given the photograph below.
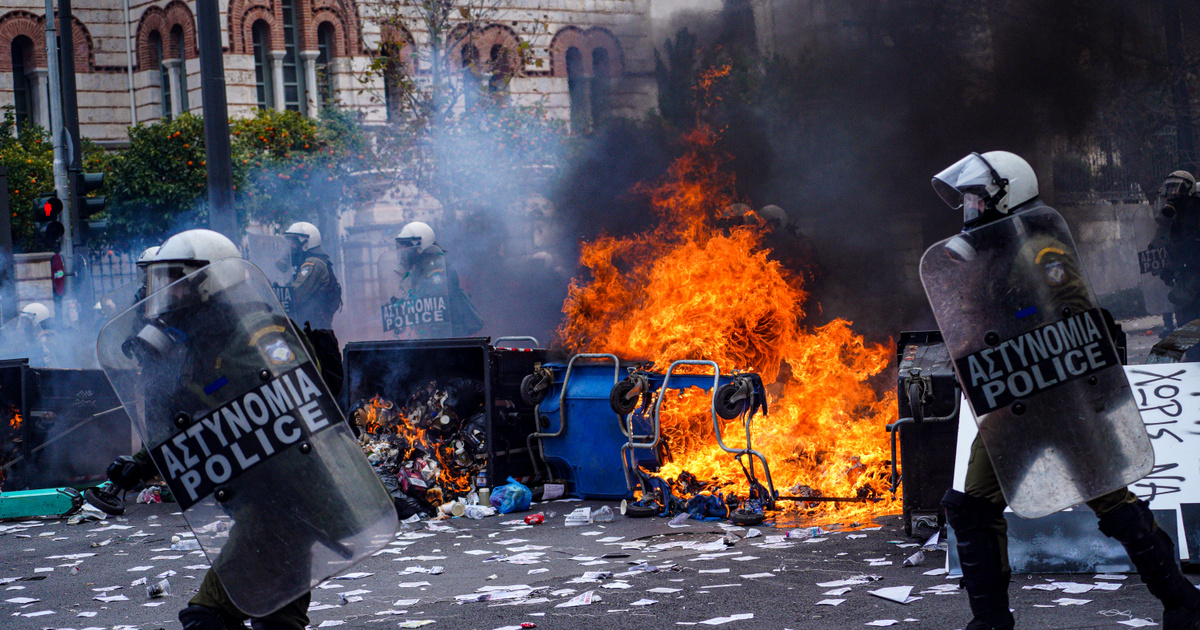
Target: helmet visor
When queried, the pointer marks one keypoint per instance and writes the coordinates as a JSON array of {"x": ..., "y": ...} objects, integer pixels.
[
  {"x": 404, "y": 242},
  {"x": 1175, "y": 187},
  {"x": 163, "y": 287},
  {"x": 969, "y": 172}
]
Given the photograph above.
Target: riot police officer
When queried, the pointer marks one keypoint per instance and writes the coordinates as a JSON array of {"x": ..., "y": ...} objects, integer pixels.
[
  {"x": 1178, "y": 230},
  {"x": 423, "y": 271},
  {"x": 316, "y": 293},
  {"x": 38, "y": 329},
  {"x": 209, "y": 350},
  {"x": 1006, "y": 252}
]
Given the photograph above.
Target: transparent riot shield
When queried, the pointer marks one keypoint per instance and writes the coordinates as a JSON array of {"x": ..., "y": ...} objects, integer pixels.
[
  {"x": 246, "y": 435},
  {"x": 272, "y": 254},
  {"x": 415, "y": 297},
  {"x": 1036, "y": 362},
  {"x": 120, "y": 299}
]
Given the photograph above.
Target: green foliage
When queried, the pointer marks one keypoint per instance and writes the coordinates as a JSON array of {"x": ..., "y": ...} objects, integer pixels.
[
  {"x": 29, "y": 158},
  {"x": 157, "y": 185},
  {"x": 285, "y": 168},
  {"x": 28, "y": 154}
]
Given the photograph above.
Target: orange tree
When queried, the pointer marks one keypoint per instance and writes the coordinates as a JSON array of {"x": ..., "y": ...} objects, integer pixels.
[
  {"x": 285, "y": 167},
  {"x": 28, "y": 155}
]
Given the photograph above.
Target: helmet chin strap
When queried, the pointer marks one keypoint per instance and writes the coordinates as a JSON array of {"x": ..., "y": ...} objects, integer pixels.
[{"x": 1001, "y": 183}]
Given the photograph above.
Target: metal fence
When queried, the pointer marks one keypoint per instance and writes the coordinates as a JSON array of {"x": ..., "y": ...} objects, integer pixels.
[
  {"x": 1096, "y": 169},
  {"x": 110, "y": 270}
]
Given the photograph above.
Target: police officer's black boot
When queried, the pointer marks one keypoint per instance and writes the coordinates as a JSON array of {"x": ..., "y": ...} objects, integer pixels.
[
  {"x": 1153, "y": 554},
  {"x": 196, "y": 617},
  {"x": 979, "y": 553}
]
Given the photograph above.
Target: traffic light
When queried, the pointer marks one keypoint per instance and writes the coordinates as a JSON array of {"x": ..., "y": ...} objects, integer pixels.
[
  {"x": 88, "y": 206},
  {"x": 46, "y": 211}
]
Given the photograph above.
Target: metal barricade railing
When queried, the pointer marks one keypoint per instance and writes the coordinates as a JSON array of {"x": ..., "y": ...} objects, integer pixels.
[{"x": 562, "y": 407}]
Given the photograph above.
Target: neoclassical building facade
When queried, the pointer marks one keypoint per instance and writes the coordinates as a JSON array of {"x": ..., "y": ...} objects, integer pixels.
[{"x": 138, "y": 62}]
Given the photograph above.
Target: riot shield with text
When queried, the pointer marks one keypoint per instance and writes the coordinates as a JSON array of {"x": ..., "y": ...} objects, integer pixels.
[
  {"x": 415, "y": 300},
  {"x": 1036, "y": 362},
  {"x": 246, "y": 435}
]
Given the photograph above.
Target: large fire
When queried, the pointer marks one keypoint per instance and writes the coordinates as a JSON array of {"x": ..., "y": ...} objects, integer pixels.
[{"x": 691, "y": 290}]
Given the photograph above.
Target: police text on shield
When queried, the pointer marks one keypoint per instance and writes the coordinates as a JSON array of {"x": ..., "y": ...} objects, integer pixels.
[
  {"x": 243, "y": 433},
  {"x": 414, "y": 312},
  {"x": 1035, "y": 361}
]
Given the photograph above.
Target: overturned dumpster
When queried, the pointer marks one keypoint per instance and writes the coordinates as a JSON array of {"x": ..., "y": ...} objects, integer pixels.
[{"x": 600, "y": 424}]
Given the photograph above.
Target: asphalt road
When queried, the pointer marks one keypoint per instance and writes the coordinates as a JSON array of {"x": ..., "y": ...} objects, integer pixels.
[{"x": 64, "y": 568}]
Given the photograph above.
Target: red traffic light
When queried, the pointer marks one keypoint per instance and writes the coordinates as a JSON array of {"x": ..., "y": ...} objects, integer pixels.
[{"x": 49, "y": 208}]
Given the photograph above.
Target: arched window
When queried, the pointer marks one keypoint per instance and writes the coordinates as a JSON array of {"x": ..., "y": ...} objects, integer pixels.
[
  {"x": 22, "y": 61},
  {"x": 164, "y": 79},
  {"x": 261, "y": 34},
  {"x": 325, "y": 48},
  {"x": 179, "y": 46},
  {"x": 601, "y": 86},
  {"x": 501, "y": 67},
  {"x": 578, "y": 91},
  {"x": 470, "y": 74},
  {"x": 293, "y": 76}
]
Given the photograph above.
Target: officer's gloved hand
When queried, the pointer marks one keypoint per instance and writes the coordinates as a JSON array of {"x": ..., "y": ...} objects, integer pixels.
[{"x": 125, "y": 472}]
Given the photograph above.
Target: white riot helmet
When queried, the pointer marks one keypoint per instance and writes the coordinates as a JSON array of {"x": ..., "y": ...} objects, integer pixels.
[
  {"x": 774, "y": 214},
  {"x": 146, "y": 256},
  {"x": 305, "y": 233},
  {"x": 181, "y": 255},
  {"x": 416, "y": 234},
  {"x": 36, "y": 312},
  {"x": 986, "y": 187}
]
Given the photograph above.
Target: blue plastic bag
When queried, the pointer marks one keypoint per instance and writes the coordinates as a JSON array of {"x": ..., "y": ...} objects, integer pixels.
[{"x": 512, "y": 497}]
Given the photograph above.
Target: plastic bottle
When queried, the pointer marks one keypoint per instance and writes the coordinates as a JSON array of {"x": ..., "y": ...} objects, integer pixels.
[
  {"x": 603, "y": 515},
  {"x": 161, "y": 588},
  {"x": 186, "y": 544},
  {"x": 478, "y": 511}
]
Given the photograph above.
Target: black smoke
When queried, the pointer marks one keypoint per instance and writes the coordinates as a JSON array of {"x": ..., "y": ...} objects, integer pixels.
[{"x": 843, "y": 122}]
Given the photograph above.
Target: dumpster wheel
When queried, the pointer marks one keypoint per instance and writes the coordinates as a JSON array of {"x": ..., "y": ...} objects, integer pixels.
[
  {"x": 745, "y": 518},
  {"x": 620, "y": 401},
  {"x": 530, "y": 395},
  {"x": 724, "y": 406}
]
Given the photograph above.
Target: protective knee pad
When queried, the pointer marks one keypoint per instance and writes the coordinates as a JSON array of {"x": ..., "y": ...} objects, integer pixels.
[
  {"x": 197, "y": 617},
  {"x": 966, "y": 512}
]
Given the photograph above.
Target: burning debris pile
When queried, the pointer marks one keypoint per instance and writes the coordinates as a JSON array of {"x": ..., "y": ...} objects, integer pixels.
[
  {"x": 690, "y": 289},
  {"x": 428, "y": 451},
  {"x": 11, "y": 440}
]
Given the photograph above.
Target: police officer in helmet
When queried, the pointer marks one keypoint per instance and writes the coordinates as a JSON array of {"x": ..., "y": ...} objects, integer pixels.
[
  {"x": 423, "y": 269},
  {"x": 1178, "y": 230},
  {"x": 316, "y": 293},
  {"x": 184, "y": 357},
  {"x": 991, "y": 188}
]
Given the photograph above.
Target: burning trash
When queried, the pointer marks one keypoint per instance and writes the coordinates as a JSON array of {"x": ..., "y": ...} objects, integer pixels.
[
  {"x": 430, "y": 449},
  {"x": 692, "y": 288}
]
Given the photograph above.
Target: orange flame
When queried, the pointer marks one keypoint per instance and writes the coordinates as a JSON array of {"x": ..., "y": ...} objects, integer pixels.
[
  {"x": 688, "y": 290},
  {"x": 379, "y": 416}
]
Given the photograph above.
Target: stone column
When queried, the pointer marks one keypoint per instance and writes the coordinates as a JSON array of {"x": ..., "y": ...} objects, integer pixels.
[
  {"x": 311, "y": 88},
  {"x": 277, "y": 78},
  {"x": 173, "y": 83},
  {"x": 40, "y": 85}
]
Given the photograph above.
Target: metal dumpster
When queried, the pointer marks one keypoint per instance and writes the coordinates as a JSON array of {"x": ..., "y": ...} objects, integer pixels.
[
  {"x": 928, "y": 395},
  {"x": 394, "y": 369},
  {"x": 585, "y": 441},
  {"x": 71, "y": 426}
]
